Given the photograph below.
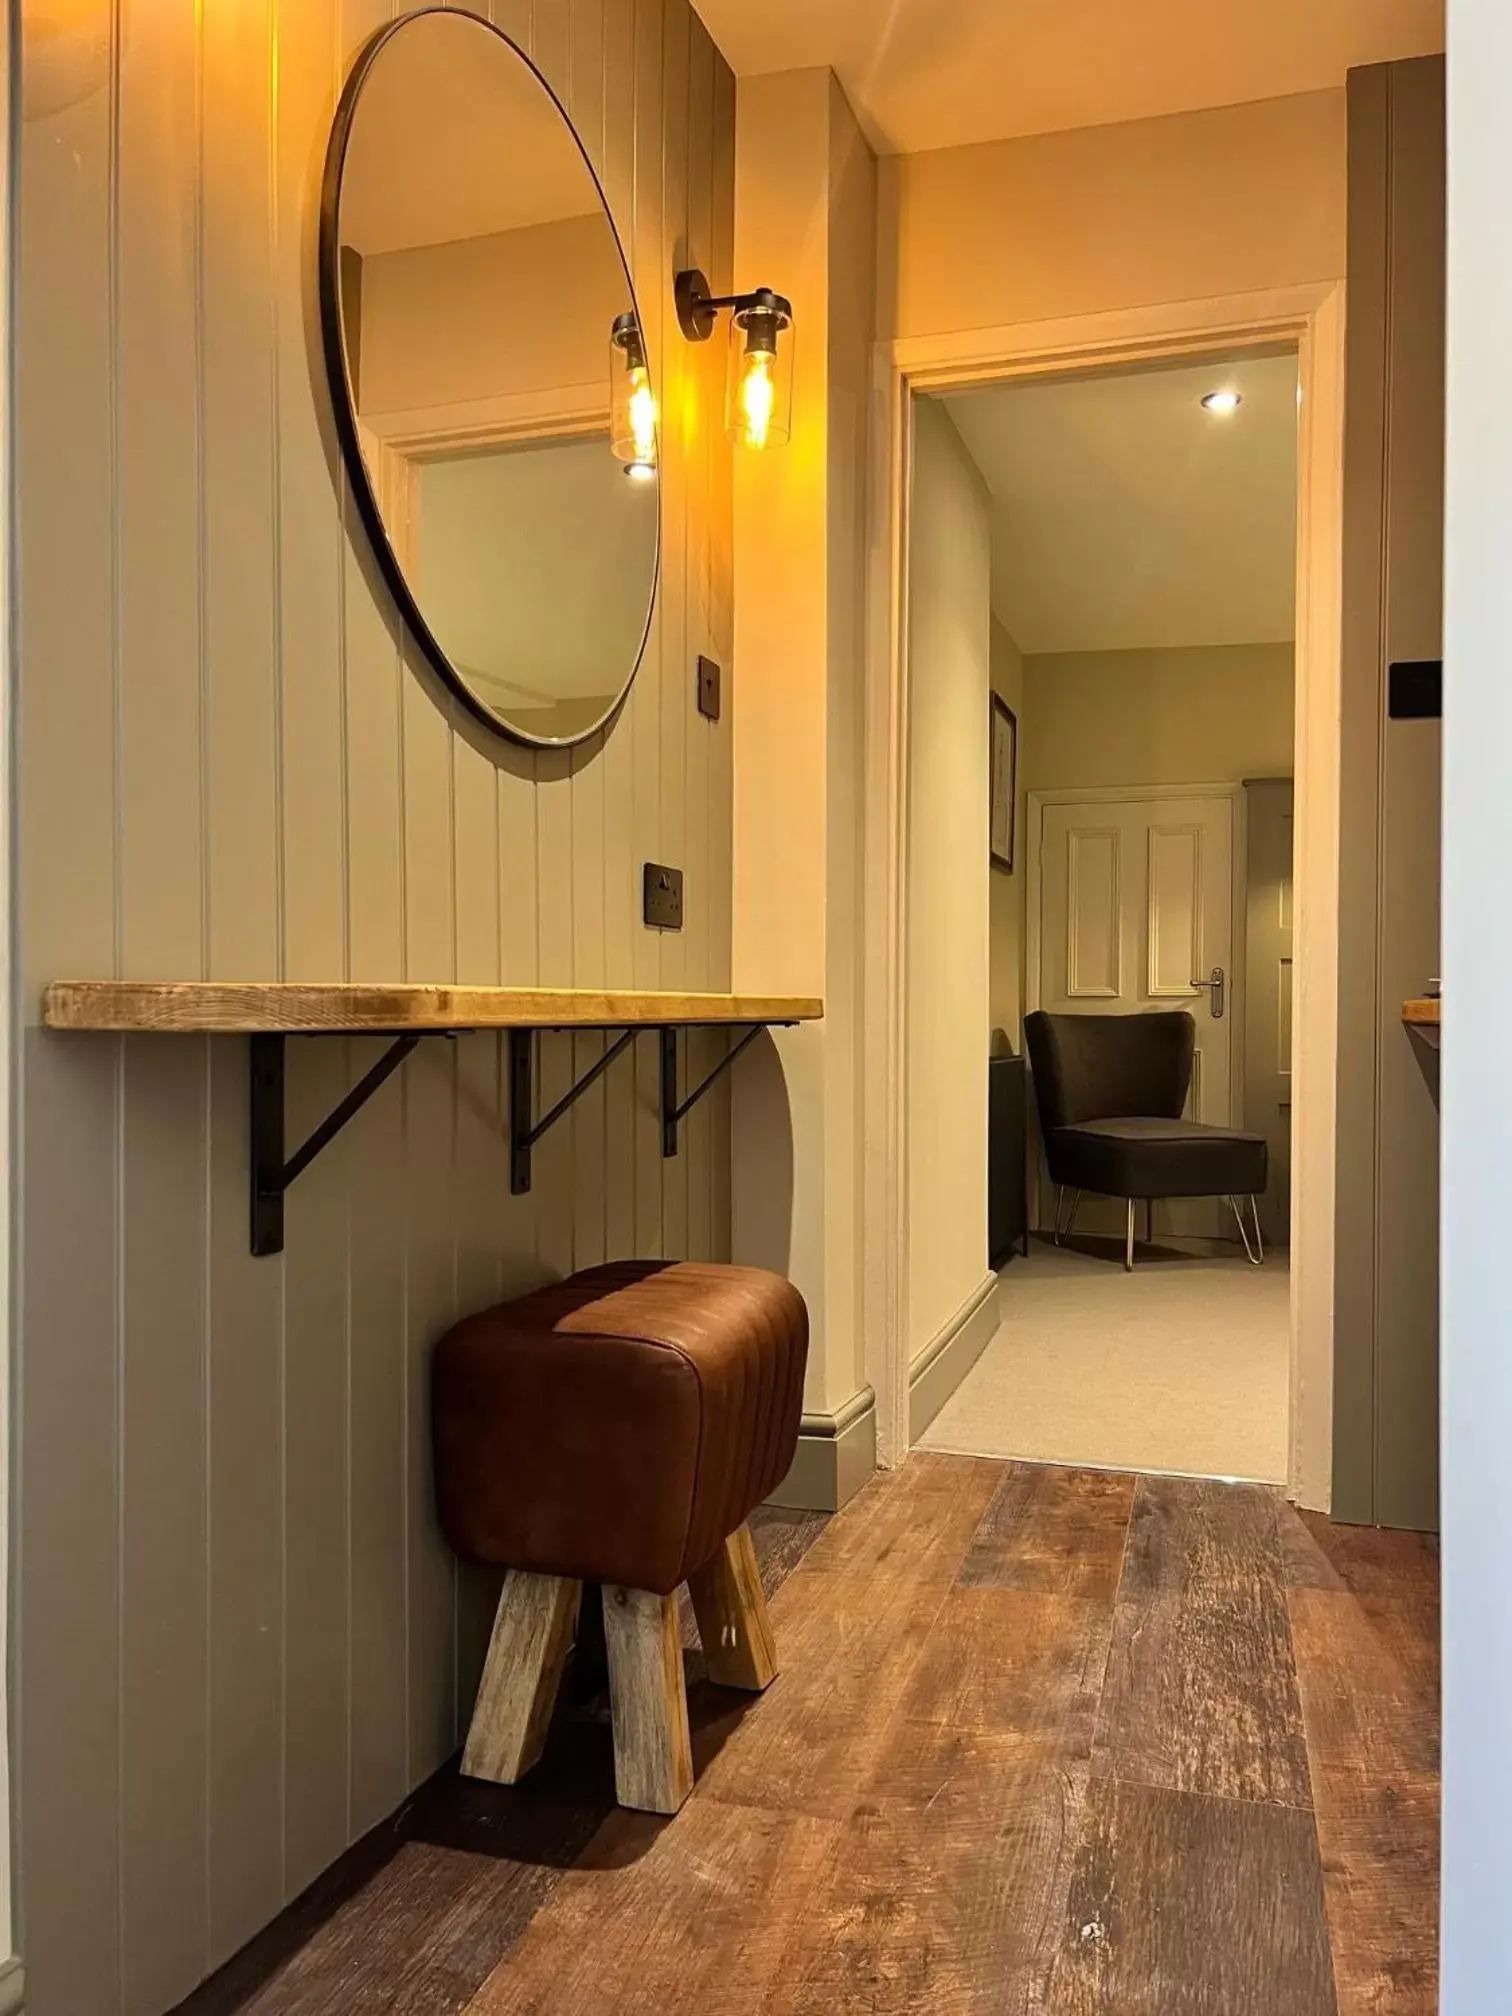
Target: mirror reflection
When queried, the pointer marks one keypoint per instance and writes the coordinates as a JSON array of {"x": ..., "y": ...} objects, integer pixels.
[{"x": 495, "y": 397}]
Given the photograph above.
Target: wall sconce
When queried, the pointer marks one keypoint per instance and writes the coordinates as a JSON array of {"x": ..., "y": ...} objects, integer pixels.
[
  {"x": 632, "y": 426},
  {"x": 759, "y": 391}
]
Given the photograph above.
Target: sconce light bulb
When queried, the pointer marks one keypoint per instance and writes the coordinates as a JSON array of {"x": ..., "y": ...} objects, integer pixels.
[
  {"x": 642, "y": 416},
  {"x": 632, "y": 422},
  {"x": 758, "y": 397}
]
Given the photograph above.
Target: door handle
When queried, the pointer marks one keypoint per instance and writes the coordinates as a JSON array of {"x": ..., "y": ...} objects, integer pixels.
[{"x": 1215, "y": 987}]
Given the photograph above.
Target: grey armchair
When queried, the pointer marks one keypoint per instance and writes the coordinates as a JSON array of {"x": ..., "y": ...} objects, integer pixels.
[{"x": 1110, "y": 1089}]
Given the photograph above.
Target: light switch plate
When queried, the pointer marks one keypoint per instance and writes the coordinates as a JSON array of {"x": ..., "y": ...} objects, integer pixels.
[
  {"x": 708, "y": 689},
  {"x": 1415, "y": 690},
  {"x": 663, "y": 897}
]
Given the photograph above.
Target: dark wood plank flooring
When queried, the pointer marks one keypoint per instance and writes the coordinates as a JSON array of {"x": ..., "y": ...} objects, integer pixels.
[{"x": 1044, "y": 1741}]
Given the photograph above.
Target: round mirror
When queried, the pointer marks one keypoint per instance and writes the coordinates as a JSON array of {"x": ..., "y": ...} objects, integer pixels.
[{"x": 489, "y": 374}]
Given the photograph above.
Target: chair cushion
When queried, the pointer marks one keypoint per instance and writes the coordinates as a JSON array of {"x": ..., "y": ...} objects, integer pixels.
[
  {"x": 615, "y": 1427},
  {"x": 1141, "y": 1157}
]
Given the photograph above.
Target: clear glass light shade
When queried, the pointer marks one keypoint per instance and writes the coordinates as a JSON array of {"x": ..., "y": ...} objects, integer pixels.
[
  {"x": 633, "y": 405},
  {"x": 759, "y": 397}
]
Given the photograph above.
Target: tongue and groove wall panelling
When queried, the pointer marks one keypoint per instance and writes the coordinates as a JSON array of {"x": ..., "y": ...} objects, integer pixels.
[
  {"x": 585, "y": 70},
  {"x": 549, "y": 47},
  {"x": 374, "y": 1697},
  {"x": 240, "y": 645},
  {"x": 241, "y": 1637},
  {"x": 648, "y": 239},
  {"x": 621, "y": 868},
  {"x": 720, "y": 527},
  {"x": 68, "y": 1682},
  {"x": 680, "y": 422},
  {"x": 702, "y": 416},
  {"x": 161, "y": 1507}
]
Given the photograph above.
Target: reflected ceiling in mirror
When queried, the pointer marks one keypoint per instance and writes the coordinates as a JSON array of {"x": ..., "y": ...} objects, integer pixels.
[{"x": 475, "y": 299}]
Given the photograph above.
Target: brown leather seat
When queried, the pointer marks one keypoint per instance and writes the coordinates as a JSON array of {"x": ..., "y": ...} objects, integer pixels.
[{"x": 618, "y": 1426}]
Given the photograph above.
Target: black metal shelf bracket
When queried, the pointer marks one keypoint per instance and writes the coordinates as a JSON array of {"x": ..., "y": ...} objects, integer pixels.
[
  {"x": 524, "y": 1132},
  {"x": 271, "y": 1173},
  {"x": 673, "y": 1111}
]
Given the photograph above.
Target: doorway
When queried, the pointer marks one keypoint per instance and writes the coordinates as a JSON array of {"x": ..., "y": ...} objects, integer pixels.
[
  {"x": 1305, "y": 324},
  {"x": 1141, "y": 612}
]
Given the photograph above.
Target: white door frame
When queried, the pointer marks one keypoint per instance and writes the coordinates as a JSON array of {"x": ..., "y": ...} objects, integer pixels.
[{"x": 1311, "y": 318}]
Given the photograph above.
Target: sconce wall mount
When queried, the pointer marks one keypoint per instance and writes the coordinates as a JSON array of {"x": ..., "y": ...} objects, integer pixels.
[{"x": 698, "y": 308}]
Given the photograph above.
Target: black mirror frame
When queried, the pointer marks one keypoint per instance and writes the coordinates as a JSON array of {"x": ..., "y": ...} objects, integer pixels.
[{"x": 339, "y": 382}]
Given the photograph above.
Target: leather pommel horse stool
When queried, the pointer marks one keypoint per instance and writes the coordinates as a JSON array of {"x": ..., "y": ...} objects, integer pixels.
[{"x": 619, "y": 1428}]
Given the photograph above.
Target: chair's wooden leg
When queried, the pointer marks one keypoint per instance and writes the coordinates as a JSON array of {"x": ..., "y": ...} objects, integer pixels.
[
  {"x": 532, "y": 1636},
  {"x": 653, "y": 1754},
  {"x": 732, "y": 1616}
]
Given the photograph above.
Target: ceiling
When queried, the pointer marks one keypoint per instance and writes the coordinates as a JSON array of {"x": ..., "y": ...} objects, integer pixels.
[
  {"x": 1125, "y": 517},
  {"x": 944, "y": 73},
  {"x": 454, "y": 137}
]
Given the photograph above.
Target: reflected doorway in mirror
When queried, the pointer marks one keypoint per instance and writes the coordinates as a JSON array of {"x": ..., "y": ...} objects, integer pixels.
[{"x": 490, "y": 377}]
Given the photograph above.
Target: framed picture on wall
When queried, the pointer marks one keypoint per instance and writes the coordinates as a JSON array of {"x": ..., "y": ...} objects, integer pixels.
[{"x": 1004, "y": 782}]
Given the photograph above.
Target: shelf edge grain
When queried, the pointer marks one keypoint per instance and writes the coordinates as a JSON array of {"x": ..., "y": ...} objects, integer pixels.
[{"x": 296, "y": 1008}]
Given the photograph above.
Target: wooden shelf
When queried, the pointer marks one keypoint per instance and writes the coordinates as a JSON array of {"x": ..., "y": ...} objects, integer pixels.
[
  {"x": 188, "y": 1007},
  {"x": 268, "y": 1013},
  {"x": 1424, "y": 1016}
]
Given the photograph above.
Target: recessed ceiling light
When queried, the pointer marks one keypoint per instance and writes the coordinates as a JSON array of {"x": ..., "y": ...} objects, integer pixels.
[{"x": 1221, "y": 402}]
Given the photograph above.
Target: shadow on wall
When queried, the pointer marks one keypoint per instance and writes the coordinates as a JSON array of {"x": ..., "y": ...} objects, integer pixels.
[
  {"x": 764, "y": 1233},
  {"x": 1427, "y": 1055}
]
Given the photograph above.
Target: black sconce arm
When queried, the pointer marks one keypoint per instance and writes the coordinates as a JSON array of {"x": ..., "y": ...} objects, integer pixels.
[{"x": 698, "y": 309}]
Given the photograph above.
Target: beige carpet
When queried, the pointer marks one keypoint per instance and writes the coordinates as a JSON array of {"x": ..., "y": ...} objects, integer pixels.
[{"x": 1181, "y": 1365}]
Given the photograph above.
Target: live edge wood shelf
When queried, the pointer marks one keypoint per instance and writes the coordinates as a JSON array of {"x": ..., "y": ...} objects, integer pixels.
[{"x": 268, "y": 1013}]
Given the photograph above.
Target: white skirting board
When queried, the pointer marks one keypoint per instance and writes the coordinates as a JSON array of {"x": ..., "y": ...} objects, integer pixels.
[{"x": 946, "y": 1359}]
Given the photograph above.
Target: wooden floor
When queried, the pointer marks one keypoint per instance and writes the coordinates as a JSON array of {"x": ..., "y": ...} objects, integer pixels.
[{"x": 1045, "y": 1740}]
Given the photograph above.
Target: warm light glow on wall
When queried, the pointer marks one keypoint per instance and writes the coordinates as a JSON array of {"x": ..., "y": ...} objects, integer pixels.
[
  {"x": 67, "y": 53},
  {"x": 633, "y": 422}
]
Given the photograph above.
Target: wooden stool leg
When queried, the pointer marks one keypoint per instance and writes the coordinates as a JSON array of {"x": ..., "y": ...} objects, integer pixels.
[
  {"x": 653, "y": 1754},
  {"x": 532, "y": 1636},
  {"x": 732, "y": 1616}
]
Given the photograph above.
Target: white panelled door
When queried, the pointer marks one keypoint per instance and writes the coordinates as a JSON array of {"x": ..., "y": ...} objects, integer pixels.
[{"x": 1136, "y": 904}]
